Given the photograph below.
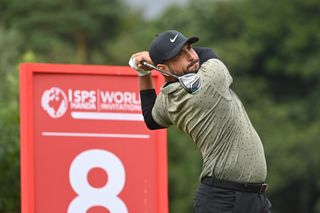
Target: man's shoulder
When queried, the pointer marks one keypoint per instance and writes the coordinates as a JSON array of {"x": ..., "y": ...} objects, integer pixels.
[
  {"x": 213, "y": 63},
  {"x": 205, "y": 54},
  {"x": 215, "y": 73}
]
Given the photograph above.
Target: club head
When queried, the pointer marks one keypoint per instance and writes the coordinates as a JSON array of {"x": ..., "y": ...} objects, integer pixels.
[{"x": 191, "y": 82}]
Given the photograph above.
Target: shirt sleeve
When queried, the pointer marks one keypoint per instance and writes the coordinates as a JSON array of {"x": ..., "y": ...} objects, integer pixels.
[
  {"x": 216, "y": 75},
  {"x": 148, "y": 98},
  {"x": 160, "y": 111}
]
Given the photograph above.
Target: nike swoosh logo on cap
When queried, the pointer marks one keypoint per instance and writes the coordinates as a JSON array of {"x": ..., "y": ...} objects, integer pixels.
[{"x": 173, "y": 39}]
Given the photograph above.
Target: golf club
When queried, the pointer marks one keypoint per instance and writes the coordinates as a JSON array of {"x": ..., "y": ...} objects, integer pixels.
[{"x": 191, "y": 82}]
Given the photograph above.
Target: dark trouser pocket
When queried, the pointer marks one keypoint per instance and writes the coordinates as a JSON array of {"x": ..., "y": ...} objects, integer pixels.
[
  {"x": 251, "y": 203},
  {"x": 267, "y": 205},
  {"x": 213, "y": 200}
]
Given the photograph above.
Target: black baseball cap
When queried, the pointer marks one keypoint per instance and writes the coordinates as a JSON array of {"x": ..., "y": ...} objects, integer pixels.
[{"x": 167, "y": 45}]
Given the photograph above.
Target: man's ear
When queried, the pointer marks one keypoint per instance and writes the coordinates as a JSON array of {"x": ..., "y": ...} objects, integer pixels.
[{"x": 163, "y": 67}]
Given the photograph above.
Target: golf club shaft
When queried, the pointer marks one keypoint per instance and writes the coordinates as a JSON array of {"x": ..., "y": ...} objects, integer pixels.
[{"x": 144, "y": 63}]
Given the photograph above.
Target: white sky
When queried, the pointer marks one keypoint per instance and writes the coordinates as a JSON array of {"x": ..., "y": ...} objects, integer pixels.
[{"x": 152, "y": 8}]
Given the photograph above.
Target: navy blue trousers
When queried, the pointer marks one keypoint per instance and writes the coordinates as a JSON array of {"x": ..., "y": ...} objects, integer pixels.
[{"x": 210, "y": 199}]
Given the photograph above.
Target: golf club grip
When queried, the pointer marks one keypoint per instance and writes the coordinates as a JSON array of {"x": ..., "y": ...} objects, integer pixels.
[{"x": 144, "y": 63}]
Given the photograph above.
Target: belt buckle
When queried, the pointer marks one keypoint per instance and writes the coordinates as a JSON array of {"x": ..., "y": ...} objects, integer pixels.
[{"x": 263, "y": 188}]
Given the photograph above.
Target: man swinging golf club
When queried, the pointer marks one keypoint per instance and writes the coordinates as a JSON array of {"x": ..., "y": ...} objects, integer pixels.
[{"x": 234, "y": 166}]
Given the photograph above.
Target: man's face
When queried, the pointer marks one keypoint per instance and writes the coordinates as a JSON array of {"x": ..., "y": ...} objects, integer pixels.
[{"x": 187, "y": 61}]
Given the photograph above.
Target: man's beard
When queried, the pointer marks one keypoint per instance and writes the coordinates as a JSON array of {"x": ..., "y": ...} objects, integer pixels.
[
  {"x": 188, "y": 70},
  {"x": 195, "y": 70}
]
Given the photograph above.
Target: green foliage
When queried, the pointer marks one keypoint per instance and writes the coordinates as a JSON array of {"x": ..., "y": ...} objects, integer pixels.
[
  {"x": 10, "y": 41},
  {"x": 134, "y": 36},
  {"x": 184, "y": 169},
  {"x": 9, "y": 157},
  {"x": 272, "y": 49},
  {"x": 58, "y": 29}
]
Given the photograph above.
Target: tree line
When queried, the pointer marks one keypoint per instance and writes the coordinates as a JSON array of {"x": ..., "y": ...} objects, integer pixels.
[{"x": 272, "y": 49}]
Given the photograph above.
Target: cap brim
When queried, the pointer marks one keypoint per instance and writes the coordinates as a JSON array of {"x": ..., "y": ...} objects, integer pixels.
[
  {"x": 192, "y": 40},
  {"x": 178, "y": 48}
]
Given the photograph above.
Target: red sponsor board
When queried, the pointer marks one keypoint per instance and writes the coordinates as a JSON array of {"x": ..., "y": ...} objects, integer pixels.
[{"x": 84, "y": 145}]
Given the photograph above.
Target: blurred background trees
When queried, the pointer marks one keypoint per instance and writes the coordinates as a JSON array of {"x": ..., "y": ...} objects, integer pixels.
[{"x": 272, "y": 49}]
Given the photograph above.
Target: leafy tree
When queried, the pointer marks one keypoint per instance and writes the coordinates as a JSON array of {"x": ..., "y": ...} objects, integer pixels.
[
  {"x": 65, "y": 31},
  {"x": 288, "y": 45},
  {"x": 10, "y": 41},
  {"x": 134, "y": 36},
  {"x": 184, "y": 169},
  {"x": 272, "y": 51},
  {"x": 271, "y": 48}
]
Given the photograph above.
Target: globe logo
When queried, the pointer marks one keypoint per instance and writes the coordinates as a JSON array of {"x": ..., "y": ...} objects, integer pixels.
[{"x": 54, "y": 102}]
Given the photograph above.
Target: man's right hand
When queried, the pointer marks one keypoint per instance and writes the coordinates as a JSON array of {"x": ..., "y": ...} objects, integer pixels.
[{"x": 135, "y": 63}]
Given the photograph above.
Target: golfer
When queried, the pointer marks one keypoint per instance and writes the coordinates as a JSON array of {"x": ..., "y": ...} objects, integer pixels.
[{"x": 234, "y": 166}]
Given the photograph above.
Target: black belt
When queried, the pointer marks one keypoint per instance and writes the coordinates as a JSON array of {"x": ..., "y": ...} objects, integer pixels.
[{"x": 243, "y": 187}]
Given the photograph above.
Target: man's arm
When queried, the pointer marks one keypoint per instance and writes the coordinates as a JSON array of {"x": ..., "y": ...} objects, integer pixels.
[
  {"x": 145, "y": 82},
  {"x": 147, "y": 92},
  {"x": 148, "y": 98}
]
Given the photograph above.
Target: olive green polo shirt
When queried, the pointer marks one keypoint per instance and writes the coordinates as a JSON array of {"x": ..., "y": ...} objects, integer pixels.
[{"x": 217, "y": 122}]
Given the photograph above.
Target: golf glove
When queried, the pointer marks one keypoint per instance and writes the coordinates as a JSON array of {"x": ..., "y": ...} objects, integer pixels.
[{"x": 133, "y": 65}]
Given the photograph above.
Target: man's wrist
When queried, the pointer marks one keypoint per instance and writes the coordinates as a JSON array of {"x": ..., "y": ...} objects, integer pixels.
[{"x": 133, "y": 65}]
